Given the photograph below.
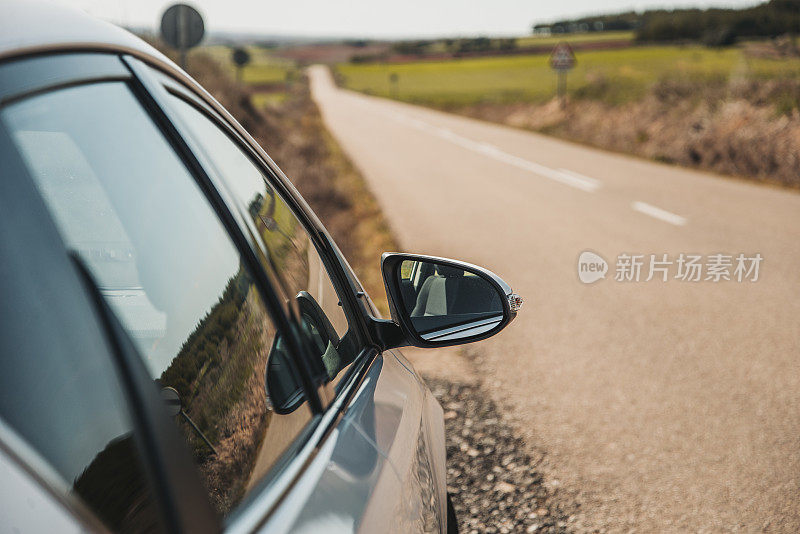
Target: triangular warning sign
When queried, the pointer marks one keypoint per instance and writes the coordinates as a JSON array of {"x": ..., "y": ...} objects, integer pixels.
[{"x": 562, "y": 57}]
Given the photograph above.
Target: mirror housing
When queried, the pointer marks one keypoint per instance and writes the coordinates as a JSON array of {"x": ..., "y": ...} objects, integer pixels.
[{"x": 438, "y": 302}]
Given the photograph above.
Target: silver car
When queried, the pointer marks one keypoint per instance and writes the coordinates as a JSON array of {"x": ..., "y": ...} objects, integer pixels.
[{"x": 184, "y": 348}]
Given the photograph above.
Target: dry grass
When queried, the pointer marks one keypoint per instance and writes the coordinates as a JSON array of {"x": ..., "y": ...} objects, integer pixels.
[{"x": 731, "y": 128}]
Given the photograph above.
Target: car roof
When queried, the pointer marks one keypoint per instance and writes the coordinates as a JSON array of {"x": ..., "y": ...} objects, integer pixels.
[{"x": 37, "y": 26}]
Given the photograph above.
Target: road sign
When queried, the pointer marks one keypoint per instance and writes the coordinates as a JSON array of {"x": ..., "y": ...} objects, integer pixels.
[
  {"x": 562, "y": 57},
  {"x": 182, "y": 28},
  {"x": 241, "y": 57}
]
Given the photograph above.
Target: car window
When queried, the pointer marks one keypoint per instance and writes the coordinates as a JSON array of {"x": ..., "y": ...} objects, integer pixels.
[
  {"x": 125, "y": 202},
  {"x": 290, "y": 250}
]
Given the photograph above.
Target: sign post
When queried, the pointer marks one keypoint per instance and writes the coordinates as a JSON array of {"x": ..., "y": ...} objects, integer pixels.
[
  {"x": 241, "y": 57},
  {"x": 562, "y": 60},
  {"x": 182, "y": 28}
]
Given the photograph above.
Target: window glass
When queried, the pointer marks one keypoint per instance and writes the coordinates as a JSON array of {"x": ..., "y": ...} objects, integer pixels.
[
  {"x": 68, "y": 405},
  {"x": 123, "y": 199},
  {"x": 290, "y": 251}
]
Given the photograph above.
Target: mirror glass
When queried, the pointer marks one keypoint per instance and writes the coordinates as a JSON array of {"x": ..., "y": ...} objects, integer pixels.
[
  {"x": 172, "y": 400},
  {"x": 448, "y": 303}
]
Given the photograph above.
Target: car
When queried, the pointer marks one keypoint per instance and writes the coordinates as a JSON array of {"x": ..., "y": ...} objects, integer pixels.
[{"x": 184, "y": 348}]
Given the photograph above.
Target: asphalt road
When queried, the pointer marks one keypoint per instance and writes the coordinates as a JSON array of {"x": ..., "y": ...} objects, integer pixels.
[{"x": 661, "y": 406}]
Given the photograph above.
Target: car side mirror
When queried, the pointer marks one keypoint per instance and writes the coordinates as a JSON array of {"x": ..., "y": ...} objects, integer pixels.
[
  {"x": 439, "y": 302},
  {"x": 283, "y": 383}
]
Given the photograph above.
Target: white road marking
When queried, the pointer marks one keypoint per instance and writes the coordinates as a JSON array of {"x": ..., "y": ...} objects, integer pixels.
[
  {"x": 658, "y": 213},
  {"x": 582, "y": 177},
  {"x": 564, "y": 176}
]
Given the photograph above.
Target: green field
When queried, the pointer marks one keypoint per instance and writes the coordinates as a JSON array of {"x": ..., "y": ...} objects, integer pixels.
[{"x": 613, "y": 76}]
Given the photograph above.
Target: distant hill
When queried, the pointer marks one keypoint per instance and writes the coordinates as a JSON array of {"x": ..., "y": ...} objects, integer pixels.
[{"x": 716, "y": 27}]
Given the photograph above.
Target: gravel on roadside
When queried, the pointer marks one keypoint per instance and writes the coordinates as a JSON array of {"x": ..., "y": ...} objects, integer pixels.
[{"x": 493, "y": 482}]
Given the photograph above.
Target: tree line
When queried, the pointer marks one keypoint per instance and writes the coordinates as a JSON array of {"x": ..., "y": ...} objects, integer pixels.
[{"x": 714, "y": 27}]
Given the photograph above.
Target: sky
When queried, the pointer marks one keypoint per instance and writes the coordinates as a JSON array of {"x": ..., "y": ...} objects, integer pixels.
[{"x": 377, "y": 18}]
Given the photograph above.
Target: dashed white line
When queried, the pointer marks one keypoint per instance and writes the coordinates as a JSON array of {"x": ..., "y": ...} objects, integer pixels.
[
  {"x": 592, "y": 182},
  {"x": 658, "y": 213},
  {"x": 563, "y": 176}
]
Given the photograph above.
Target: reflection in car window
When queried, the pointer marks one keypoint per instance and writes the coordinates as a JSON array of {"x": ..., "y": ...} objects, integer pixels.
[
  {"x": 122, "y": 198},
  {"x": 290, "y": 250}
]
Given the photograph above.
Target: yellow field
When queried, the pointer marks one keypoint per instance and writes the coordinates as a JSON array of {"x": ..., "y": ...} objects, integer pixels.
[{"x": 269, "y": 75}]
